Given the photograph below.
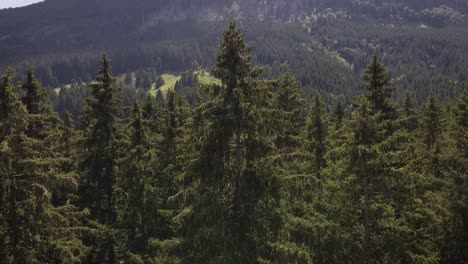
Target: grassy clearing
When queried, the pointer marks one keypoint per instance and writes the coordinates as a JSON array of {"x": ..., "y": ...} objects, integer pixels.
[
  {"x": 205, "y": 78},
  {"x": 169, "y": 83},
  {"x": 170, "y": 80},
  {"x": 57, "y": 90}
]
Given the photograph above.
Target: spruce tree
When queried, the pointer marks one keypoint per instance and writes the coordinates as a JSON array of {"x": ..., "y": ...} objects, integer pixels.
[
  {"x": 227, "y": 180},
  {"x": 377, "y": 83},
  {"x": 131, "y": 188},
  {"x": 42, "y": 228},
  {"x": 362, "y": 154},
  {"x": 461, "y": 179},
  {"x": 431, "y": 122},
  {"x": 410, "y": 120},
  {"x": 456, "y": 237},
  {"x": 33, "y": 94},
  {"x": 317, "y": 135},
  {"x": 13, "y": 121},
  {"x": 338, "y": 114},
  {"x": 291, "y": 103},
  {"x": 99, "y": 161}
]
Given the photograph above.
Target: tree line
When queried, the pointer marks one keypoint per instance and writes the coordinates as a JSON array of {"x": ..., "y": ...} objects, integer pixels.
[{"x": 253, "y": 173}]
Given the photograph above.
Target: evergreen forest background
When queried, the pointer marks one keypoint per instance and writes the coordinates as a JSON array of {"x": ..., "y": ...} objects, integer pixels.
[{"x": 284, "y": 138}]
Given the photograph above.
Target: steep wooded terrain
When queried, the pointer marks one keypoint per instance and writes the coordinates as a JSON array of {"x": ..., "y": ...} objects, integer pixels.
[{"x": 334, "y": 38}]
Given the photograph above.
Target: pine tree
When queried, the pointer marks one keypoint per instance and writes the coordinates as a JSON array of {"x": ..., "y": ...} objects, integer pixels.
[
  {"x": 410, "y": 121},
  {"x": 317, "y": 135},
  {"x": 291, "y": 103},
  {"x": 377, "y": 82},
  {"x": 290, "y": 158},
  {"x": 338, "y": 114},
  {"x": 33, "y": 94},
  {"x": 457, "y": 230},
  {"x": 160, "y": 101},
  {"x": 431, "y": 122},
  {"x": 131, "y": 187},
  {"x": 173, "y": 154},
  {"x": 362, "y": 155},
  {"x": 41, "y": 227},
  {"x": 13, "y": 121},
  {"x": 227, "y": 180},
  {"x": 12, "y": 112},
  {"x": 99, "y": 165}
]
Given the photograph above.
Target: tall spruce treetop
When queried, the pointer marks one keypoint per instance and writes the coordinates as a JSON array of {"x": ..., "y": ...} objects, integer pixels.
[
  {"x": 233, "y": 65},
  {"x": 223, "y": 225},
  {"x": 103, "y": 104},
  {"x": 377, "y": 82},
  {"x": 97, "y": 189},
  {"x": 100, "y": 117},
  {"x": 12, "y": 112},
  {"x": 34, "y": 95}
]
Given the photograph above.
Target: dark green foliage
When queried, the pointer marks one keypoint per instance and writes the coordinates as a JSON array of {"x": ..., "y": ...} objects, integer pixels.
[
  {"x": 237, "y": 171},
  {"x": 457, "y": 237},
  {"x": 39, "y": 222},
  {"x": 99, "y": 162},
  {"x": 324, "y": 43},
  {"x": 317, "y": 135},
  {"x": 377, "y": 82},
  {"x": 290, "y": 101},
  {"x": 431, "y": 122}
]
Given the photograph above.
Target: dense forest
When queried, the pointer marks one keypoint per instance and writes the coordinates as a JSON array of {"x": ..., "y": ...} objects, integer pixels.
[
  {"x": 247, "y": 169},
  {"x": 324, "y": 43}
]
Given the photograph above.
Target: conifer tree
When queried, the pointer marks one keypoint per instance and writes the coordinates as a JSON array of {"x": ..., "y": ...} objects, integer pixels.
[
  {"x": 131, "y": 188},
  {"x": 291, "y": 103},
  {"x": 160, "y": 101},
  {"x": 410, "y": 121},
  {"x": 41, "y": 227},
  {"x": 33, "y": 94},
  {"x": 457, "y": 238},
  {"x": 431, "y": 122},
  {"x": 362, "y": 155},
  {"x": 377, "y": 82},
  {"x": 175, "y": 150},
  {"x": 100, "y": 155},
  {"x": 317, "y": 135},
  {"x": 228, "y": 182},
  {"x": 338, "y": 114},
  {"x": 13, "y": 121},
  {"x": 12, "y": 112}
]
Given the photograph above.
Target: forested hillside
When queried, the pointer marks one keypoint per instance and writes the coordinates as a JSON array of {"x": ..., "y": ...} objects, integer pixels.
[
  {"x": 247, "y": 169},
  {"x": 324, "y": 43}
]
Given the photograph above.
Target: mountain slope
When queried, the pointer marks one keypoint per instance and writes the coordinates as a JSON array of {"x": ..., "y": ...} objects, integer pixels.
[{"x": 325, "y": 43}]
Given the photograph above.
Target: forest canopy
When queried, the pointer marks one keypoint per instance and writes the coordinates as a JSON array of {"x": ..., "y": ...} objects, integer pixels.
[{"x": 250, "y": 168}]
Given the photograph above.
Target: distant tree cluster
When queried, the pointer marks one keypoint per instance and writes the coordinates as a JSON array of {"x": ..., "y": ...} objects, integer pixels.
[{"x": 253, "y": 172}]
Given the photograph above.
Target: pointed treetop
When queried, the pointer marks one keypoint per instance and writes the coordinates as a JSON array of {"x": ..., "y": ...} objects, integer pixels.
[
  {"x": 137, "y": 124},
  {"x": 290, "y": 93},
  {"x": 233, "y": 63},
  {"x": 338, "y": 113},
  {"x": 34, "y": 94},
  {"x": 408, "y": 104},
  {"x": 12, "y": 112},
  {"x": 377, "y": 81},
  {"x": 431, "y": 121},
  {"x": 105, "y": 71}
]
